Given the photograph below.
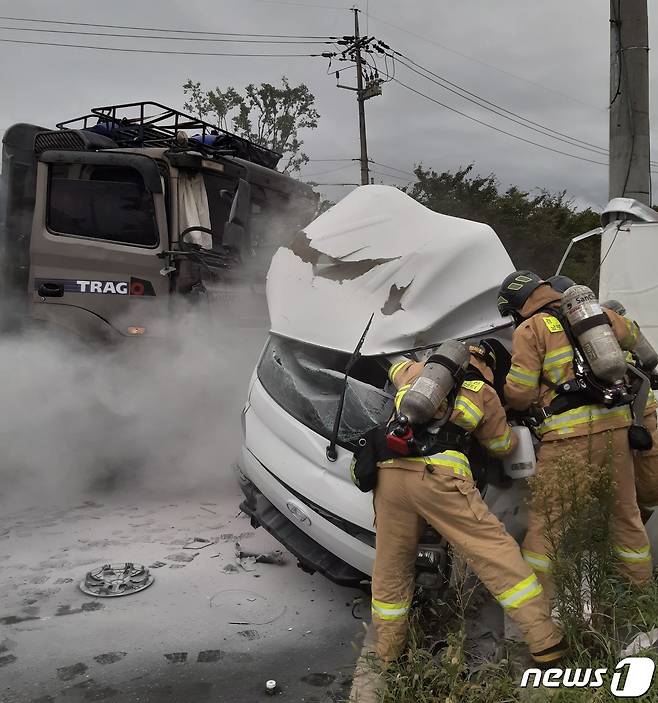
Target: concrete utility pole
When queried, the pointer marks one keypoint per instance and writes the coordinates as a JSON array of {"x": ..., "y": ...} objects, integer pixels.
[
  {"x": 360, "y": 97},
  {"x": 629, "y": 101}
]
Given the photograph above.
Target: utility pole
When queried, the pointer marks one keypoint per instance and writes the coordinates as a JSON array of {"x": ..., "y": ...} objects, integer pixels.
[
  {"x": 356, "y": 46},
  {"x": 365, "y": 173},
  {"x": 629, "y": 101}
]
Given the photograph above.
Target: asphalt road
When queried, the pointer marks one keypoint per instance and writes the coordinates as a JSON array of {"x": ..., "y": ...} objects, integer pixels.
[
  {"x": 206, "y": 630},
  {"x": 198, "y": 634}
]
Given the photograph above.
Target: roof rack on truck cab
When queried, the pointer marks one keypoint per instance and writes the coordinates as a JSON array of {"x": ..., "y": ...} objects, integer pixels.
[{"x": 151, "y": 124}]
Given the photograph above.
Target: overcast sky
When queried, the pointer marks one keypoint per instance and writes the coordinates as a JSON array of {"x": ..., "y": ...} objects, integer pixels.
[{"x": 547, "y": 61}]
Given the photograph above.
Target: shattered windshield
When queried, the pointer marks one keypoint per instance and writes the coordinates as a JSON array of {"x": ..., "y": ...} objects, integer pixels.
[{"x": 307, "y": 382}]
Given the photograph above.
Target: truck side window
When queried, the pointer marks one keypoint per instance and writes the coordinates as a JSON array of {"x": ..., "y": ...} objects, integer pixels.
[{"x": 109, "y": 203}]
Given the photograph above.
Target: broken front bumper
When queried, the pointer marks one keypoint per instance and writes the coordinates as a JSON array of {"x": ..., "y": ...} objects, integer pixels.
[{"x": 311, "y": 555}]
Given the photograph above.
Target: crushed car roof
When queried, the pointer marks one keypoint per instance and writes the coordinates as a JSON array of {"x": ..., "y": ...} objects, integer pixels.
[{"x": 426, "y": 277}]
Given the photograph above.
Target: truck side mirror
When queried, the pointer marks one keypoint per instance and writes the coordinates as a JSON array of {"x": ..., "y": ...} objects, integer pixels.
[
  {"x": 240, "y": 207},
  {"x": 235, "y": 230}
]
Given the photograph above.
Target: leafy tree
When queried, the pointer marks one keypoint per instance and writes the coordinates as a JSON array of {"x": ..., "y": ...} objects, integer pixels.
[
  {"x": 268, "y": 115},
  {"x": 535, "y": 229}
]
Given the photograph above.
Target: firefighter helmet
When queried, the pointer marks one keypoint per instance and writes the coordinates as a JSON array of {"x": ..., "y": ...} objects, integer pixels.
[
  {"x": 560, "y": 283},
  {"x": 615, "y": 306},
  {"x": 516, "y": 289}
]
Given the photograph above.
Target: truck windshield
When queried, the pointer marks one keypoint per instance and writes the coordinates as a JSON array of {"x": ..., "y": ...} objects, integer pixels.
[
  {"x": 110, "y": 203},
  {"x": 306, "y": 381}
]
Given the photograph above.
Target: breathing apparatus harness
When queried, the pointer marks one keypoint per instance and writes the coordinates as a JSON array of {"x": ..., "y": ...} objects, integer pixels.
[
  {"x": 439, "y": 434},
  {"x": 585, "y": 388},
  {"x": 400, "y": 438}
]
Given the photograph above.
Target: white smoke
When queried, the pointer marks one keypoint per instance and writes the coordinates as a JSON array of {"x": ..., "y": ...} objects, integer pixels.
[{"x": 161, "y": 416}]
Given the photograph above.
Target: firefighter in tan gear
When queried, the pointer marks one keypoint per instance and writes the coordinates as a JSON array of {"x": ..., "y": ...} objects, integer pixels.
[
  {"x": 646, "y": 463},
  {"x": 439, "y": 490},
  {"x": 542, "y": 358}
]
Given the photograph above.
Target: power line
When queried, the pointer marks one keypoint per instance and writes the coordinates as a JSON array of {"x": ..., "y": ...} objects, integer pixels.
[
  {"x": 154, "y": 36},
  {"x": 377, "y": 163},
  {"x": 159, "y": 51},
  {"x": 331, "y": 170},
  {"x": 389, "y": 175},
  {"x": 498, "y": 109},
  {"x": 393, "y": 168},
  {"x": 161, "y": 29},
  {"x": 488, "y": 65},
  {"x": 301, "y": 4},
  {"x": 497, "y": 129}
]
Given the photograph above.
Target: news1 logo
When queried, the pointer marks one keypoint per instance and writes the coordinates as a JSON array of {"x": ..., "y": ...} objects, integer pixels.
[{"x": 632, "y": 677}]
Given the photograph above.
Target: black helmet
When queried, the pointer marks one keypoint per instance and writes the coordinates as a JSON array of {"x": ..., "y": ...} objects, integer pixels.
[
  {"x": 615, "y": 306},
  {"x": 515, "y": 290},
  {"x": 560, "y": 283}
]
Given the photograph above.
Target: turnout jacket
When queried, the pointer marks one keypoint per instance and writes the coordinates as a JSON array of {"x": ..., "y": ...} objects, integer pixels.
[{"x": 542, "y": 355}]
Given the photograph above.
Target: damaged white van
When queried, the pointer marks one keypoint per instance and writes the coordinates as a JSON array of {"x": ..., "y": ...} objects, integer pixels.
[{"x": 419, "y": 278}]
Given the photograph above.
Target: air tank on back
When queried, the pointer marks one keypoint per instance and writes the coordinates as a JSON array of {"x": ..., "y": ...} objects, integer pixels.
[
  {"x": 426, "y": 394},
  {"x": 595, "y": 336},
  {"x": 643, "y": 350}
]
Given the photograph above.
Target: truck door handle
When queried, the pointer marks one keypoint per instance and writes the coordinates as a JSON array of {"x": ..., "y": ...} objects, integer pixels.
[{"x": 51, "y": 290}]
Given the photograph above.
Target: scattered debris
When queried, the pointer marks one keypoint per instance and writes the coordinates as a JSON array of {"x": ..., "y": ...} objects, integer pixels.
[
  {"x": 643, "y": 641},
  {"x": 66, "y": 609},
  {"x": 230, "y": 569},
  {"x": 181, "y": 557},
  {"x": 208, "y": 510},
  {"x": 157, "y": 565},
  {"x": 248, "y": 560},
  {"x": 198, "y": 543},
  {"x": 247, "y": 563},
  {"x": 113, "y": 580},
  {"x": 249, "y": 634}
]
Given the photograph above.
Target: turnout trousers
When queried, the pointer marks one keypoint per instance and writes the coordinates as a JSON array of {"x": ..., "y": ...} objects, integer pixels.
[
  {"x": 646, "y": 468},
  {"x": 405, "y": 500},
  {"x": 630, "y": 541}
]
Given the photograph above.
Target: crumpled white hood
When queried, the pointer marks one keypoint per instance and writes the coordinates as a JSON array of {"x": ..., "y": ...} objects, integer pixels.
[{"x": 425, "y": 276}]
